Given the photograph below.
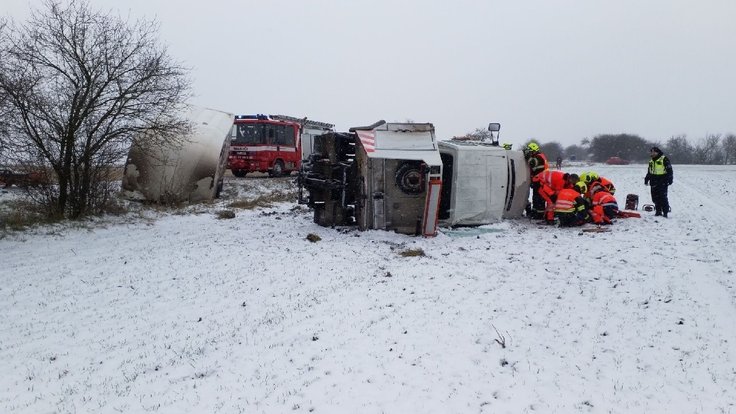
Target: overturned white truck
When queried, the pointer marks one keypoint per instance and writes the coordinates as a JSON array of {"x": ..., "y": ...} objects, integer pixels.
[
  {"x": 397, "y": 176},
  {"x": 190, "y": 170},
  {"x": 482, "y": 183},
  {"x": 384, "y": 176}
]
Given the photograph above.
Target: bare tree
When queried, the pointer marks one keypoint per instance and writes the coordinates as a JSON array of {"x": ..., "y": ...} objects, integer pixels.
[
  {"x": 679, "y": 150},
  {"x": 551, "y": 149},
  {"x": 575, "y": 152},
  {"x": 627, "y": 146},
  {"x": 3, "y": 98},
  {"x": 81, "y": 85},
  {"x": 729, "y": 149},
  {"x": 708, "y": 150}
]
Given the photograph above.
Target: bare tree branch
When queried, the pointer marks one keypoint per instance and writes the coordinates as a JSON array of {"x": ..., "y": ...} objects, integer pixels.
[{"x": 79, "y": 86}]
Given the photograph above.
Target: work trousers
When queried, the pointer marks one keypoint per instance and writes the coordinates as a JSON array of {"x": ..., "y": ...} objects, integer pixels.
[{"x": 659, "y": 197}]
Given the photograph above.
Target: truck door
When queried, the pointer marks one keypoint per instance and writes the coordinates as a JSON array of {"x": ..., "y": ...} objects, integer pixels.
[
  {"x": 497, "y": 170},
  {"x": 287, "y": 146}
]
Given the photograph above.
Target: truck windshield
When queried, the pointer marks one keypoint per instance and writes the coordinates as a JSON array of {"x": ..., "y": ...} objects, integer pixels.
[{"x": 248, "y": 134}]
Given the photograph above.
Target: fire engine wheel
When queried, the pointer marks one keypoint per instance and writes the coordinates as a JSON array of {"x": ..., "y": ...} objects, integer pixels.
[
  {"x": 277, "y": 170},
  {"x": 410, "y": 178},
  {"x": 239, "y": 173}
]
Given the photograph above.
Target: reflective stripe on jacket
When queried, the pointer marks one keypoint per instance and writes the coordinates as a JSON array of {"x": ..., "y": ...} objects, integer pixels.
[
  {"x": 656, "y": 167},
  {"x": 569, "y": 201},
  {"x": 538, "y": 163},
  {"x": 553, "y": 179},
  {"x": 604, "y": 199}
]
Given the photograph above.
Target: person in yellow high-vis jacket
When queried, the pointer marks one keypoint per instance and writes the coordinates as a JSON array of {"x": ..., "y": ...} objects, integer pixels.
[{"x": 659, "y": 177}]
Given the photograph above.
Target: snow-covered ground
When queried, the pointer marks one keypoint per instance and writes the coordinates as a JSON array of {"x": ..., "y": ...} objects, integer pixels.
[{"x": 188, "y": 313}]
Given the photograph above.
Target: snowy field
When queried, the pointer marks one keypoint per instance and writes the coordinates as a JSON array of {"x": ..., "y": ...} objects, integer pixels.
[{"x": 187, "y": 313}]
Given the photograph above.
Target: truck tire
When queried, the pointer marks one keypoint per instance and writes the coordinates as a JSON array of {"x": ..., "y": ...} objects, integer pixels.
[
  {"x": 410, "y": 178},
  {"x": 277, "y": 170},
  {"x": 239, "y": 173}
]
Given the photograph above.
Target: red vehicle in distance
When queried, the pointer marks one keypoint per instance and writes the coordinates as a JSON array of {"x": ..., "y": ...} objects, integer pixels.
[
  {"x": 259, "y": 143},
  {"x": 617, "y": 161}
]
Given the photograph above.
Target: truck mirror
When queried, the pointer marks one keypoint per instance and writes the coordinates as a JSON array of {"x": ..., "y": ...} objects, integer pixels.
[{"x": 494, "y": 127}]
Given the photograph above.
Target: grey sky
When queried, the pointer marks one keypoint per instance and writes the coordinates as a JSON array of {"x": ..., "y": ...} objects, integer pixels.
[{"x": 555, "y": 70}]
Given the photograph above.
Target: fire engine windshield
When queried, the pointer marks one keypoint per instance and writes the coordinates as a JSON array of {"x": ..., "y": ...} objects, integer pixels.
[
  {"x": 248, "y": 134},
  {"x": 263, "y": 133}
]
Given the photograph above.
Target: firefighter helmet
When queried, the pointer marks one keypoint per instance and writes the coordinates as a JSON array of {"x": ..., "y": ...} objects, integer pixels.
[
  {"x": 533, "y": 147},
  {"x": 589, "y": 177},
  {"x": 581, "y": 187}
]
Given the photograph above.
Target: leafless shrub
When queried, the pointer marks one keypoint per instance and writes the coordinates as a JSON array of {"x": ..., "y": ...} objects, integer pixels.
[
  {"x": 225, "y": 214},
  {"x": 20, "y": 214},
  {"x": 263, "y": 201},
  {"x": 412, "y": 253},
  {"x": 501, "y": 340}
]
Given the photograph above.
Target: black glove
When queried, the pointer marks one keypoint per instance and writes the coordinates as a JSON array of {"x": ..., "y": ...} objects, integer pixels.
[
  {"x": 669, "y": 182},
  {"x": 646, "y": 181}
]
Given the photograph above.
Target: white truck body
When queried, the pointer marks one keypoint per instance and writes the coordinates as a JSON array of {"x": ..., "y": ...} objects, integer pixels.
[
  {"x": 191, "y": 171},
  {"x": 482, "y": 183}
]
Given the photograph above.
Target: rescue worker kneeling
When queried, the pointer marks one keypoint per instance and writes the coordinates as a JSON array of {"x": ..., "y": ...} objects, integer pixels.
[
  {"x": 571, "y": 209},
  {"x": 592, "y": 178},
  {"x": 604, "y": 206},
  {"x": 547, "y": 184}
]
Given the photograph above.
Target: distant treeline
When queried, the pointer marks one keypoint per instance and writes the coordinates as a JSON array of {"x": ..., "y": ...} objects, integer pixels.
[{"x": 713, "y": 149}]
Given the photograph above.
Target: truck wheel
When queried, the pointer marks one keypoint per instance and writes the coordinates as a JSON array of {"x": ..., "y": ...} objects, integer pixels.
[
  {"x": 278, "y": 169},
  {"x": 410, "y": 178},
  {"x": 239, "y": 173}
]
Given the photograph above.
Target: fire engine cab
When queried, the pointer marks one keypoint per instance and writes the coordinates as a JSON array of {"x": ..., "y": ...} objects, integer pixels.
[{"x": 269, "y": 143}]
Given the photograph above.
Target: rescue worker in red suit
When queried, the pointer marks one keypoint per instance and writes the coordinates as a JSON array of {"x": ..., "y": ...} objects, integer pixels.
[
  {"x": 592, "y": 179},
  {"x": 607, "y": 185},
  {"x": 548, "y": 184},
  {"x": 659, "y": 177},
  {"x": 604, "y": 206},
  {"x": 537, "y": 163},
  {"x": 571, "y": 209}
]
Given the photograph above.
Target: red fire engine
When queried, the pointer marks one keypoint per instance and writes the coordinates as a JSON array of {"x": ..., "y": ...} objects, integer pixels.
[{"x": 264, "y": 144}]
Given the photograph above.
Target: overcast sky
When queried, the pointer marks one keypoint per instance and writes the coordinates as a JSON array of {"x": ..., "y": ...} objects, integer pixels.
[{"x": 554, "y": 70}]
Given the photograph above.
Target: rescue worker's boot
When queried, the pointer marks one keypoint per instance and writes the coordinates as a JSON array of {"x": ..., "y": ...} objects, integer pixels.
[
  {"x": 537, "y": 215},
  {"x": 549, "y": 217}
]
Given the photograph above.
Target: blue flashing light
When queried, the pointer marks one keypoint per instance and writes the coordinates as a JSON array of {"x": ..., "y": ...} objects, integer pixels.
[{"x": 256, "y": 116}]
